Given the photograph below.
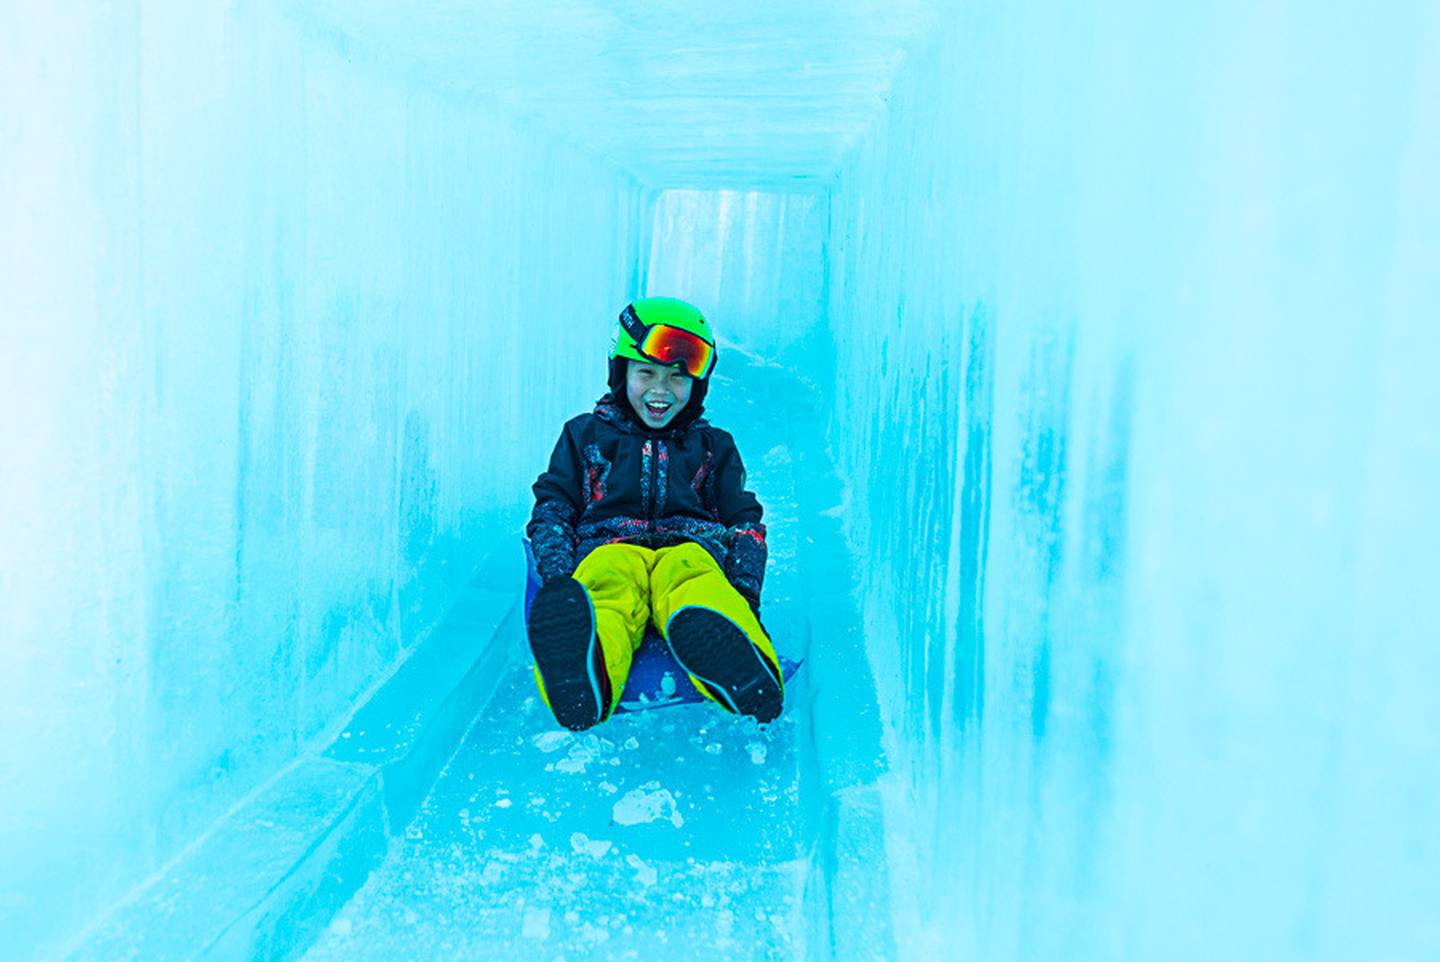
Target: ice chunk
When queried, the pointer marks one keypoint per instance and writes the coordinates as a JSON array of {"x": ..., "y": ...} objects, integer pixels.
[
  {"x": 647, "y": 803},
  {"x": 551, "y": 741},
  {"x": 580, "y": 755},
  {"x": 584, "y": 845},
  {"x": 644, "y": 874}
]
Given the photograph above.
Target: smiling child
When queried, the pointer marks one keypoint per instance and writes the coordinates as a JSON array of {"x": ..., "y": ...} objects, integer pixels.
[{"x": 643, "y": 516}]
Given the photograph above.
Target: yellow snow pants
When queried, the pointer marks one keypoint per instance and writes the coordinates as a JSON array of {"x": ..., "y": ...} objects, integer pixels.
[{"x": 630, "y": 586}]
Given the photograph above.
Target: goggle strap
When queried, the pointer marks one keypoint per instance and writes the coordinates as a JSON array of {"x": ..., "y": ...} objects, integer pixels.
[{"x": 636, "y": 328}]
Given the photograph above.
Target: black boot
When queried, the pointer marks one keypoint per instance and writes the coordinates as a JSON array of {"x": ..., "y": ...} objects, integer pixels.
[
  {"x": 719, "y": 655},
  {"x": 568, "y": 654}
]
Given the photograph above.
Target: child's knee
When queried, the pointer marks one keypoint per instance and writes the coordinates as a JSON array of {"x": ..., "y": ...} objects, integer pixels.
[
  {"x": 685, "y": 562},
  {"x": 688, "y": 575},
  {"x": 618, "y": 579}
]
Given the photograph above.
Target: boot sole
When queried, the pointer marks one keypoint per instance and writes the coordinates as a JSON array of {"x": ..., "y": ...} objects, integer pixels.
[
  {"x": 712, "y": 649},
  {"x": 567, "y": 652}
]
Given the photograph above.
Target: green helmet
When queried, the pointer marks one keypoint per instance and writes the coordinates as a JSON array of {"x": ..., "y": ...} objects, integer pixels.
[{"x": 648, "y": 312}]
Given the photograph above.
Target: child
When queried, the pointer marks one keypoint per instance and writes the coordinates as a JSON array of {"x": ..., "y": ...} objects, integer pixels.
[{"x": 643, "y": 514}]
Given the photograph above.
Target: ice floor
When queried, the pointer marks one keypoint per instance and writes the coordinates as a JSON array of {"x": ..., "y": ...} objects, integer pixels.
[{"x": 666, "y": 831}]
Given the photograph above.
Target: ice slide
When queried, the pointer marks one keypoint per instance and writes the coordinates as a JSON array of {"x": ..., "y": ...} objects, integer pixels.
[{"x": 1083, "y": 355}]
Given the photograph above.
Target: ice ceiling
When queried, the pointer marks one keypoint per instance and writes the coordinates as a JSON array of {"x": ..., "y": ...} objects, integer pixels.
[{"x": 748, "y": 94}]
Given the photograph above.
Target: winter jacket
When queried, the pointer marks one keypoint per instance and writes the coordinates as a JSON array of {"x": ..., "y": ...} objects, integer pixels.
[{"x": 611, "y": 479}]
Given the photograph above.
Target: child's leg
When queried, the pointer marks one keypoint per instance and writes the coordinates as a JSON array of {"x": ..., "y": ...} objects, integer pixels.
[
  {"x": 584, "y": 631},
  {"x": 715, "y": 636},
  {"x": 618, "y": 579}
]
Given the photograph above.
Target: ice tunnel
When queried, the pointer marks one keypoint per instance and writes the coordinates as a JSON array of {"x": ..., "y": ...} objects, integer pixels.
[{"x": 1084, "y": 357}]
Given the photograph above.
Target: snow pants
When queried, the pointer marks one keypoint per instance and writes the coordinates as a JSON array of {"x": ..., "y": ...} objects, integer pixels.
[{"x": 631, "y": 586}]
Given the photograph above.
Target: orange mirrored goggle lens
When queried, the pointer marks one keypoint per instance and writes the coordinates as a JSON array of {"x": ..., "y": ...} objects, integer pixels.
[{"x": 671, "y": 345}]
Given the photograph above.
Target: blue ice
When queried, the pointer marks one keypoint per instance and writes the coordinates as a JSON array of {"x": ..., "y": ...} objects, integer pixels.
[{"x": 1084, "y": 357}]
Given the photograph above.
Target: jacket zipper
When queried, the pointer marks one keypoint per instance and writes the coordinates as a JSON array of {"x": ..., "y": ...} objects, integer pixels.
[
  {"x": 662, "y": 456},
  {"x": 650, "y": 501},
  {"x": 654, "y": 481},
  {"x": 649, "y": 452}
]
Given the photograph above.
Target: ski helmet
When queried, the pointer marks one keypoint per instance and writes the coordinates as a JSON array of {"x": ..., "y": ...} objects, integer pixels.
[{"x": 668, "y": 331}]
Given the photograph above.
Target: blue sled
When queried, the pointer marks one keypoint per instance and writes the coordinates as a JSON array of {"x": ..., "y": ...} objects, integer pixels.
[{"x": 656, "y": 678}]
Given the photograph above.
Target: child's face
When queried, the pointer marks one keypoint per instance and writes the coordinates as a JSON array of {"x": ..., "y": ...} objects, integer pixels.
[{"x": 657, "y": 393}]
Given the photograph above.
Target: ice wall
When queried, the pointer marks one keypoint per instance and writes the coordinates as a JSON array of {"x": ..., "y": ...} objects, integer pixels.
[
  {"x": 1136, "y": 320},
  {"x": 265, "y": 315}
]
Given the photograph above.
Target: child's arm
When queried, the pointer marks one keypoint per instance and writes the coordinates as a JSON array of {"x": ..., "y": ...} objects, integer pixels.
[
  {"x": 557, "y": 509},
  {"x": 740, "y": 511}
]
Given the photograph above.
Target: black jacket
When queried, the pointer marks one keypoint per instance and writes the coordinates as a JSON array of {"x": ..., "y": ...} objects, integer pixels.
[{"x": 611, "y": 479}]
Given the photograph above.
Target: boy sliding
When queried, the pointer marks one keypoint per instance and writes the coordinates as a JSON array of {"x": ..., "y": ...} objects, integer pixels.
[{"x": 643, "y": 515}]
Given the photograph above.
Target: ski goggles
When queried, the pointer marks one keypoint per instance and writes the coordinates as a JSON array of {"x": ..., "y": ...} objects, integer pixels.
[{"x": 665, "y": 344}]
